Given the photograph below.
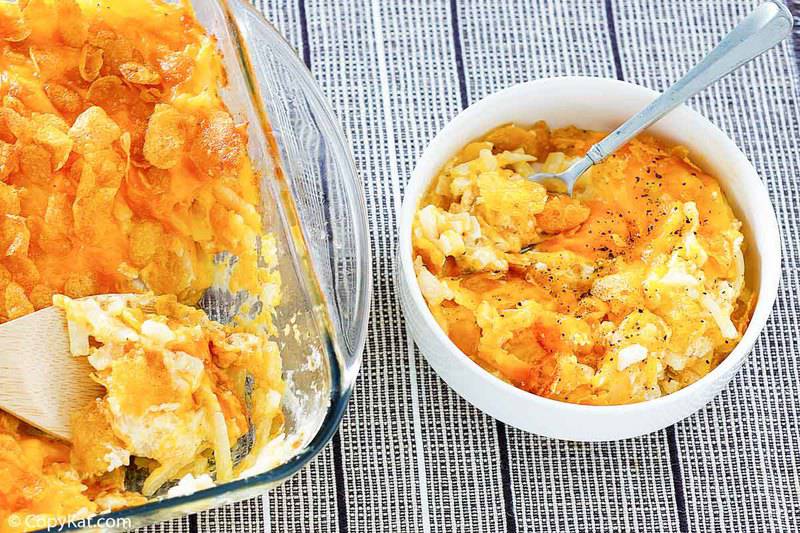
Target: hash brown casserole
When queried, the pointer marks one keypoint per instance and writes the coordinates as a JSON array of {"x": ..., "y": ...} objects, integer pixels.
[
  {"x": 631, "y": 289},
  {"x": 122, "y": 171}
]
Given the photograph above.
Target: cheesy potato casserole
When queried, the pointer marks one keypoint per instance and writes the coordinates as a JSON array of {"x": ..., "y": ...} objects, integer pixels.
[
  {"x": 122, "y": 171},
  {"x": 631, "y": 289}
]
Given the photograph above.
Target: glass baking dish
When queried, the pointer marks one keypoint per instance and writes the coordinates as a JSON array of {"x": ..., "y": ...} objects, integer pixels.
[{"x": 313, "y": 203}]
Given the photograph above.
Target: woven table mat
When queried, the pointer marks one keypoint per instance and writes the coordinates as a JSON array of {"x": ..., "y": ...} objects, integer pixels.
[{"x": 411, "y": 455}]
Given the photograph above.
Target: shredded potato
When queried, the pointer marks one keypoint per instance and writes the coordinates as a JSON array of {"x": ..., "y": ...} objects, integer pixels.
[
  {"x": 631, "y": 289},
  {"x": 171, "y": 380}
]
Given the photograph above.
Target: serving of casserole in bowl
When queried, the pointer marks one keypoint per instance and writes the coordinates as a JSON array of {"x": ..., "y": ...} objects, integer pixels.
[
  {"x": 178, "y": 158},
  {"x": 602, "y": 315}
]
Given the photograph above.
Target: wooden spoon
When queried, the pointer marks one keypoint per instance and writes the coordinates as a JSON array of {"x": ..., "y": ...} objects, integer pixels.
[{"x": 40, "y": 381}]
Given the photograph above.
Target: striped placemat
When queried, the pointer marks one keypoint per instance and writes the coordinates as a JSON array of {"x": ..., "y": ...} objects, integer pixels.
[{"x": 412, "y": 456}]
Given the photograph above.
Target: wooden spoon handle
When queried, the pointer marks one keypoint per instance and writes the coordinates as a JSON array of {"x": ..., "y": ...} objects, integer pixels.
[{"x": 40, "y": 382}]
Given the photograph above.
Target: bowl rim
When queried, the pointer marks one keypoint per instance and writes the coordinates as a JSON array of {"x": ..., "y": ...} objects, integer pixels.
[{"x": 769, "y": 275}]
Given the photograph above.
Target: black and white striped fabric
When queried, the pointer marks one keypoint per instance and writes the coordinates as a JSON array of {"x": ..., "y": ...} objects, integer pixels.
[{"x": 412, "y": 456}]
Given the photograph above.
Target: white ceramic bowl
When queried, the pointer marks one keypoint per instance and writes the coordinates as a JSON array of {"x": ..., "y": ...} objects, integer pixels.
[{"x": 600, "y": 104}]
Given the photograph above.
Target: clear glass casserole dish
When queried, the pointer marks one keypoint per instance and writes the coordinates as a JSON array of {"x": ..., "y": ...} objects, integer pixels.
[{"x": 313, "y": 203}]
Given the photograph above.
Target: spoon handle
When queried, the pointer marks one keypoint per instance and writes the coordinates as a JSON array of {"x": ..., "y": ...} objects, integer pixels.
[{"x": 766, "y": 26}]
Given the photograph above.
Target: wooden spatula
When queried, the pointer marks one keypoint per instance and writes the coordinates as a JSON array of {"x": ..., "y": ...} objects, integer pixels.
[{"x": 40, "y": 382}]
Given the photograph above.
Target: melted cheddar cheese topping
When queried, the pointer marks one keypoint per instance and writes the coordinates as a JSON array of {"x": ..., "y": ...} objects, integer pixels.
[
  {"x": 630, "y": 289},
  {"x": 122, "y": 171}
]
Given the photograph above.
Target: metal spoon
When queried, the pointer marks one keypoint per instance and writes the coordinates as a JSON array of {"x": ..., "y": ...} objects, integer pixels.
[{"x": 766, "y": 26}]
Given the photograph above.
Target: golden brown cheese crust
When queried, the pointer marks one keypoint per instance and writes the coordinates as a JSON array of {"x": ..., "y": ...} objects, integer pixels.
[{"x": 631, "y": 289}]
